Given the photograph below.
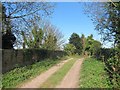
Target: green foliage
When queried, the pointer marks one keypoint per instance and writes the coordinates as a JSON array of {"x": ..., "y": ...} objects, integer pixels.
[
  {"x": 23, "y": 57},
  {"x": 53, "y": 38},
  {"x": 107, "y": 22},
  {"x": 89, "y": 44},
  {"x": 111, "y": 58},
  {"x": 37, "y": 37},
  {"x": 83, "y": 45},
  {"x": 0, "y": 81},
  {"x": 3, "y": 19},
  {"x": 50, "y": 42},
  {"x": 18, "y": 75},
  {"x": 92, "y": 46},
  {"x": 70, "y": 49},
  {"x": 106, "y": 18},
  {"x": 35, "y": 40},
  {"x": 83, "y": 41},
  {"x": 113, "y": 67},
  {"x": 48, "y": 37},
  {"x": 76, "y": 41},
  {"x": 22, "y": 15},
  {"x": 96, "y": 48},
  {"x": 8, "y": 40},
  {"x": 93, "y": 75}
]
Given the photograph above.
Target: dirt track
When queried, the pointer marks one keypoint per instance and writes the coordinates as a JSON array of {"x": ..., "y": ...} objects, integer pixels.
[
  {"x": 36, "y": 82},
  {"x": 71, "y": 80}
]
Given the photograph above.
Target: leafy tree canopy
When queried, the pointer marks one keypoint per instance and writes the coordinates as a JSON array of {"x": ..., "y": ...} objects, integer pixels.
[{"x": 76, "y": 41}]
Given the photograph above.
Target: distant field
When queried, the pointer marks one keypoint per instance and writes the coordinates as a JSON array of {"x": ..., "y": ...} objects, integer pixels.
[{"x": 93, "y": 75}]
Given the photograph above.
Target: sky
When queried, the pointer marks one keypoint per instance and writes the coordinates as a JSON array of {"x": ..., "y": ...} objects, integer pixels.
[{"x": 69, "y": 18}]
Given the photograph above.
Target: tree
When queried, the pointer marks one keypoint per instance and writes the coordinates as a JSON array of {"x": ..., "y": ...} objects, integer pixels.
[
  {"x": 107, "y": 21},
  {"x": 70, "y": 49},
  {"x": 96, "y": 48},
  {"x": 3, "y": 15},
  {"x": 76, "y": 41},
  {"x": 34, "y": 40},
  {"x": 83, "y": 41},
  {"x": 89, "y": 43},
  {"x": 8, "y": 40},
  {"x": 1, "y": 25},
  {"x": 92, "y": 46},
  {"x": 50, "y": 42},
  {"x": 44, "y": 36},
  {"x": 53, "y": 38},
  {"x": 16, "y": 12}
]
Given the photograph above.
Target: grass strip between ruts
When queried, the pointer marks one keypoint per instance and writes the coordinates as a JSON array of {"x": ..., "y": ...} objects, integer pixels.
[{"x": 57, "y": 77}]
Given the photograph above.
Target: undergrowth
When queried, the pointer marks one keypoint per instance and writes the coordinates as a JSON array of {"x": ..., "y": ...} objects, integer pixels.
[{"x": 18, "y": 75}]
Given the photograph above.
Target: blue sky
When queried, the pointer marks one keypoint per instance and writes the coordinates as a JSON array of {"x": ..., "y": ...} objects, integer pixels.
[{"x": 69, "y": 17}]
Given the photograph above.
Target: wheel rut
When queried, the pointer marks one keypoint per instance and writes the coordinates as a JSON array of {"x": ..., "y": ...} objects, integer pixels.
[
  {"x": 37, "y": 81},
  {"x": 71, "y": 80}
]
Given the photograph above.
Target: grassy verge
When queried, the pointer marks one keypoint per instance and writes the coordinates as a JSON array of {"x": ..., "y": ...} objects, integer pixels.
[
  {"x": 15, "y": 77},
  {"x": 57, "y": 77},
  {"x": 93, "y": 75}
]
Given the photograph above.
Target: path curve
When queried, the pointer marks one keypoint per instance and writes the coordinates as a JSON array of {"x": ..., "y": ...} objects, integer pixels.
[
  {"x": 36, "y": 82},
  {"x": 71, "y": 80}
]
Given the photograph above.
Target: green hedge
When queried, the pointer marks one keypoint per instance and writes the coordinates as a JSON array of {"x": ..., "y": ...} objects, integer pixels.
[
  {"x": 19, "y": 58},
  {"x": 111, "y": 58}
]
